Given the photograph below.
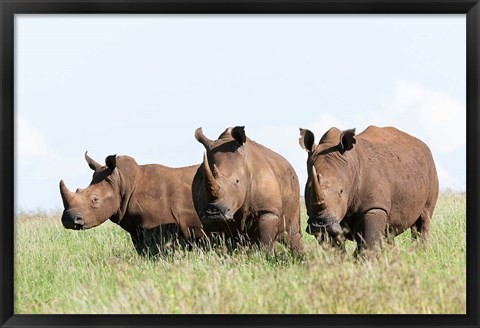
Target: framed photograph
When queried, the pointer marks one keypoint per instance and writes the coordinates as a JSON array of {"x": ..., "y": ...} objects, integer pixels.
[{"x": 153, "y": 154}]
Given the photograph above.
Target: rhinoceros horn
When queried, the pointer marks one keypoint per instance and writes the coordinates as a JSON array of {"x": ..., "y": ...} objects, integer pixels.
[
  {"x": 66, "y": 194},
  {"x": 317, "y": 192},
  {"x": 211, "y": 185},
  {"x": 92, "y": 163}
]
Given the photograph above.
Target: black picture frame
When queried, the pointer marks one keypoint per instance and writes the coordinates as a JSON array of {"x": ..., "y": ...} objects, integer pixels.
[{"x": 8, "y": 8}]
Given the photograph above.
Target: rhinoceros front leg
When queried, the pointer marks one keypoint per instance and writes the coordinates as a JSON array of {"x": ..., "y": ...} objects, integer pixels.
[
  {"x": 294, "y": 239},
  {"x": 267, "y": 230},
  {"x": 372, "y": 229},
  {"x": 138, "y": 242}
]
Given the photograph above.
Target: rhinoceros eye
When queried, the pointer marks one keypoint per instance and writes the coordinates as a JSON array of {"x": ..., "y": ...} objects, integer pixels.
[{"x": 95, "y": 200}]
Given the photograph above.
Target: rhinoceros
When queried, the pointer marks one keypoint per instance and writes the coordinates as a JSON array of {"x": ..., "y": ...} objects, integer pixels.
[
  {"x": 153, "y": 203},
  {"x": 245, "y": 189},
  {"x": 368, "y": 186}
]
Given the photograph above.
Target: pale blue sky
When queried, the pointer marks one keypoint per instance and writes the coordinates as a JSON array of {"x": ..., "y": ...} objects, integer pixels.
[{"x": 140, "y": 85}]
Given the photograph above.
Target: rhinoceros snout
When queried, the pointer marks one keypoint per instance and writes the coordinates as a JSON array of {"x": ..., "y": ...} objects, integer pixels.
[
  {"x": 72, "y": 220},
  {"x": 217, "y": 212},
  {"x": 330, "y": 225}
]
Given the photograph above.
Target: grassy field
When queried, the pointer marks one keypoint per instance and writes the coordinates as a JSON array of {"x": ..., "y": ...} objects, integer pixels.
[{"x": 98, "y": 271}]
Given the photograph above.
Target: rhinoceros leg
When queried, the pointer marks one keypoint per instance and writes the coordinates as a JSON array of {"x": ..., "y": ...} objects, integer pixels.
[
  {"x": 288, "y": 233},
  {"x": 421, "y": 227},
  {"x": 294, "y": 240},
  {"x": 268, "y": 229},
  {"x": 372, "y": 230},
  {"x": 137, "y": 241}
]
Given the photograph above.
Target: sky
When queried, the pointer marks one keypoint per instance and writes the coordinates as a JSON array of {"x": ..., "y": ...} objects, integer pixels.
[{"x": 140, "y": 85}]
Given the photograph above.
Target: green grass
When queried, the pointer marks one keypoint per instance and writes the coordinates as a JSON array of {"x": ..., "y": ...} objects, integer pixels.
[{"x": 98, "y": 271}]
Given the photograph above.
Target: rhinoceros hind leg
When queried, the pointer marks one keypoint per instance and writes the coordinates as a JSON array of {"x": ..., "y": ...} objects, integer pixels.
[{"x": 421, "y": 227}]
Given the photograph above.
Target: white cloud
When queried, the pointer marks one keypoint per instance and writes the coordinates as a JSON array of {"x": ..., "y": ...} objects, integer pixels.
[
  {"x": 448, "y": 181},
  {"x": 32, "y": 151},
  {"x": 39, "y": 168},
  {"x": 30, "y": 142},
  {"x": 435, "y": 117}
]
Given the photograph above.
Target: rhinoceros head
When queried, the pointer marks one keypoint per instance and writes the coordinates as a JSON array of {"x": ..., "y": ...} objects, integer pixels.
[
  {"x": 90, "y": 207},
  {"x": 224, "y": 174},
  {"x": 330, "y": 180}
]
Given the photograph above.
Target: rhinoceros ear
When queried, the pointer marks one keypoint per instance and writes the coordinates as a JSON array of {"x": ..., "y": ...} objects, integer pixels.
[
  {"x": 202, "y": 139},
  {"x": 92, "y": 163},
  {"x": 238, "y": 133},
  {"x": 347, "y": 140},
  {"x": 307, "y": 140},
  {"x": 111, "y": 161}
]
